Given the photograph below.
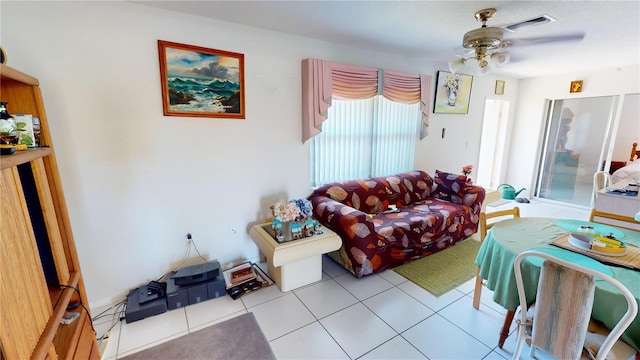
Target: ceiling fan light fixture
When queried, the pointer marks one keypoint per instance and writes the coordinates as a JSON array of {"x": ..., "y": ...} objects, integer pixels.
[
  {"x": 483, "y": 70},
  {"x": 457, "y": 65},
  {"x": 500, "y": 59}
]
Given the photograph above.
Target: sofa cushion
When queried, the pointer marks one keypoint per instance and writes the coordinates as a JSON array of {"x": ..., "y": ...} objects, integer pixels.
[
  {"x": 449, "y": 187},
  {"x": 374, "y": 195}
]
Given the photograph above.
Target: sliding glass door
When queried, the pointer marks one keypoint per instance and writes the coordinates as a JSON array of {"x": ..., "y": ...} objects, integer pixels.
[{"x": 577, "y": 137}]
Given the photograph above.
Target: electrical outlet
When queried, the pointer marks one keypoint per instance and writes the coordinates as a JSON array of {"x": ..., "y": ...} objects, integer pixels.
[
  {"x": 188, "y": 238},
  {"x": 233, "y": 231}
]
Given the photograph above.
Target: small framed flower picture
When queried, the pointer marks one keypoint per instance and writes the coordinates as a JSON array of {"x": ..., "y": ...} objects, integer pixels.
[
  {"x": 453, "y": 92},
  {"x": 576, "y": 86},
  {"x": 499, "y": 87}
]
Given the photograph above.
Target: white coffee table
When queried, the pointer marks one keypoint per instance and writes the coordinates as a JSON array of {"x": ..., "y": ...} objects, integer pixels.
[{"x": 295, "y": 263}]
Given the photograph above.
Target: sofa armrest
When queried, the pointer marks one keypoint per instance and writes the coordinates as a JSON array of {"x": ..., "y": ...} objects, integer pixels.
[
  {"x": 330, "y": 213},
  {"x": 356, "y": 228},
  {"x": 473, "y": 197}
]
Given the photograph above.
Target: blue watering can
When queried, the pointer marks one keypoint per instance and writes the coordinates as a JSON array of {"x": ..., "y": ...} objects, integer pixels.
[{"x": 508, "y": 192}]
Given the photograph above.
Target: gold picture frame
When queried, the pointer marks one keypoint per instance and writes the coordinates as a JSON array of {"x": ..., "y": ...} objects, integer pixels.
[
  {"x": 201, "y": 82},
  {"x": 499, "y": 90},
  {"x": 576, "y": 86}
]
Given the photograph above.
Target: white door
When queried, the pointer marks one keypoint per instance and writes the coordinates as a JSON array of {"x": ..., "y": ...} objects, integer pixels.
[
  {"x": 578, "y": 135},
  {"x": 492, "y": 143}
]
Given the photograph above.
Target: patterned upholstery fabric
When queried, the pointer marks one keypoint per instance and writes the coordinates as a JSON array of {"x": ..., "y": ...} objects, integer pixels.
[
  {"x": 449, "y": 187},
  {"x": 373, "y": 240}
]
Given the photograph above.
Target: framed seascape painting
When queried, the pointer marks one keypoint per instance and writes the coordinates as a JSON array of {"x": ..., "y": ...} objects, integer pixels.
[
  {"x": 201, "y": 82},
  {"x": 453, "y": 92}
]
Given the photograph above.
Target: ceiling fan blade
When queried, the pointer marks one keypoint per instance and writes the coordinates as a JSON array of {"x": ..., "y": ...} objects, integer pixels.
[{"x": 546, "y": 39}]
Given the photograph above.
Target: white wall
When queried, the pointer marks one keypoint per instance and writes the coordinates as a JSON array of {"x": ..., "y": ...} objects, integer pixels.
[
  {"x": 461, "y": 143},
  {"x": 532, "y": 95},
  {"x": 136, "y": 181}
]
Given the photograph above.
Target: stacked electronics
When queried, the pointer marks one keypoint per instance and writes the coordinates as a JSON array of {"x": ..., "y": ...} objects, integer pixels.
[
  {"x": 188, "y": 285},
  {"x": 195, "y": 284}
]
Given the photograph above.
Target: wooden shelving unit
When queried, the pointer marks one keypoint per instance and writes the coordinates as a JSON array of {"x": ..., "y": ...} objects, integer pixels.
[{"x": 39, "y": 270}]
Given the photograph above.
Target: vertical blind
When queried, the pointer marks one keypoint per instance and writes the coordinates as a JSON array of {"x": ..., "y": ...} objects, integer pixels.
[{"x": 364, "y": 138}]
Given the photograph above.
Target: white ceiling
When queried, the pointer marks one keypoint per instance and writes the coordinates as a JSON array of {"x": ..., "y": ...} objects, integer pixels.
[{"x": 433, "y": 29}]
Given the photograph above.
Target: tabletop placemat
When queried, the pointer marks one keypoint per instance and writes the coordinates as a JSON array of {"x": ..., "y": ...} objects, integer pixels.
[
  {"x": 630, "y": 260},
  {"x": 600, "y": 229}
]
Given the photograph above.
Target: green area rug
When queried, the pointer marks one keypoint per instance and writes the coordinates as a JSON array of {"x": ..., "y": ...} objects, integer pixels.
[{"x": 445, "y": 270}]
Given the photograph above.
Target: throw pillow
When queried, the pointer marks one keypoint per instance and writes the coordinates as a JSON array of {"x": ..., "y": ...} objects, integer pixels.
[
  {"x": 620, "y": 350},
  {"x": 449, "y": 187}
]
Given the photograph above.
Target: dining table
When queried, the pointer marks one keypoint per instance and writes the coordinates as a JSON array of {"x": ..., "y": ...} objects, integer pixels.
[{"x": 508, "y": 238}]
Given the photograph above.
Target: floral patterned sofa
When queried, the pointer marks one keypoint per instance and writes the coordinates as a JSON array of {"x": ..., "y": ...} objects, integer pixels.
[{"x": 432, "y": 214}]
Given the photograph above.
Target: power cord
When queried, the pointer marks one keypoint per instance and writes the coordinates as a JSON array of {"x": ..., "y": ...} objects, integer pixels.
[
  {"x": 190, "y": 243},
  {"x": 116, "y": 317},
  {"x": 81, "y": 304}
]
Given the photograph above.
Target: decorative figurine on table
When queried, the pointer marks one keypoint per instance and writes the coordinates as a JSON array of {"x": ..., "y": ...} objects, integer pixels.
[{"x": 293, "y": 220}]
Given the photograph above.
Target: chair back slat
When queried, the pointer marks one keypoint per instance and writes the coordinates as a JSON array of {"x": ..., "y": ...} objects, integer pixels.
[
  {"x": 564, "y": 300},
  {"x": 557, "y": 330}
]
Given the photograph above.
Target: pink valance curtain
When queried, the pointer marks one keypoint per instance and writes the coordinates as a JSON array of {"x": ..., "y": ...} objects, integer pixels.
[
  {"x": 409, "y": 88},
  {"x": 353, "y": 82},
  {"x": 323, "y": 79}
]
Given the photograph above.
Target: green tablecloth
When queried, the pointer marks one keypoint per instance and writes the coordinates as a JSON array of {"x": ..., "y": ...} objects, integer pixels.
[{"x": 508, "y": 238}]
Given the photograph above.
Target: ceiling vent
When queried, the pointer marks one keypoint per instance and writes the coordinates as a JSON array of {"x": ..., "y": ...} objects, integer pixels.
[{"x": 531, "y": 22}]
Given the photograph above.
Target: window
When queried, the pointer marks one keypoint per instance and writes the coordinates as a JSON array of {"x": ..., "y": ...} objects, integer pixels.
[{"x": 365, "y": 138}]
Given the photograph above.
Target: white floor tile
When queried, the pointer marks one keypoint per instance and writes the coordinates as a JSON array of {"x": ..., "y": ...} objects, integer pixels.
[
  {"x": 397, "y": 348},
  {"x": 261, "y": 296},
  {"x": 309, "y": 342},
  {"x": 486, "y": 299},
  {"x": 393, "y": 277},
  {"x": 510, "y": 346},
  {"x": 425, "y": 297},
  {"x": 364, "y": 287},
  {"x": 357, "y": 330},
  {"x": 439, "y": 339},
  {"x": 398, "y": 309},
  {"x": 483, "y": 324},
  {"x": 325, "y": 298},
  {"x": 145, "y": 333},
  {"x": 494, "y": 355},
  {"x": 281, "y": 316},
  {"x": 207, "y": 312},
  {"x": 468, "y": 287}
]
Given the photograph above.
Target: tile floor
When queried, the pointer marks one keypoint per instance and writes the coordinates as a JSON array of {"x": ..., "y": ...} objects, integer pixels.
[{"x": 381, "y": 316}]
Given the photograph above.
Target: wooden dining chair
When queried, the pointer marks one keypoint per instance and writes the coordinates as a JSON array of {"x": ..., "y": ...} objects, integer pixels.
[
  {"x": 485, "y": 225},
  {"x": 601, "y": 179},
  {"x": 597, "y": 216},
  {"x": 564, "y": 300}
]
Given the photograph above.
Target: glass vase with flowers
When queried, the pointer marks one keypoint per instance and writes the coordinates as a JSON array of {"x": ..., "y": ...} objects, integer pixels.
[{"x": 466, "y": 171}]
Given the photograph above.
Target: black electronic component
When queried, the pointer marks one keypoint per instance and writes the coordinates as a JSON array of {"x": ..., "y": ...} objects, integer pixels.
[
  {"x": 151, "y": 291},
  {"x": 197, "y": 273},
  {"x": 136, "y": 311}
]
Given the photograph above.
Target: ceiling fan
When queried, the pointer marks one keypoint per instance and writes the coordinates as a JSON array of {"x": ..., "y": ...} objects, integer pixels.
[{"x": 486, "y": 46}]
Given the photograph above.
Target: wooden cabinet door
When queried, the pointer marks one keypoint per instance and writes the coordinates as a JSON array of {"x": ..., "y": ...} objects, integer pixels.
[{"x": 25, "y": 305}]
